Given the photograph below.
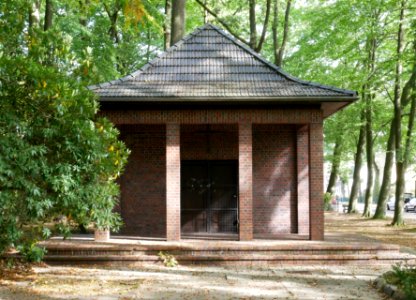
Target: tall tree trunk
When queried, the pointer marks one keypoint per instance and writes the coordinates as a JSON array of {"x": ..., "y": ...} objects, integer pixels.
[
  {"x": 398, "y": 213},
  {"x": 275, "y": 29},
  {"x": 252, "y": 17},
  {"x": 370, "y": 158},
  {"x": 409, "y": 93},
  {"x": 178, "y": 20},
  {"x": 48, "y": 15},
  {"x": 352, "y": 204},
  {"x": 376, "y": 189},
  {"x": 388, "y": 168},
  {"x": 167, "y": 24},
  {"x": 34, "y": 14},
  {"x": 336, "y": 161},
  {"x": 409, "y": 134},
  {"x": 368, "y": 96},
  {"x": 285, "y": 33}
]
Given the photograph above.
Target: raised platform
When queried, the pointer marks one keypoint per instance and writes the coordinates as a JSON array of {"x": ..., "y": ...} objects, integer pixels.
[{"x": 122, "y": 251}]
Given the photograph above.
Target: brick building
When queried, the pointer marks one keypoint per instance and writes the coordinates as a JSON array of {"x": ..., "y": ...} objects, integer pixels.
[{"x": 224, "y": 143}]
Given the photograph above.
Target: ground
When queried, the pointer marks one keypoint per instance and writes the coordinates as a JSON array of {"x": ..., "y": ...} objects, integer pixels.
[
  {"x": 353, "y": 225},
  {"x": 195, "y": 282},
  {"x": 182, "y": 282}
]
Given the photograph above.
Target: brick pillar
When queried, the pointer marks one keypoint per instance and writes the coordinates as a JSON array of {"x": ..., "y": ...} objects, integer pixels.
[
  {"x": 316, "y": 182},
  {"x": 245, "y": 170},
  {"x": 173, "y": 183},
  {"x": 302, "y": 168}
]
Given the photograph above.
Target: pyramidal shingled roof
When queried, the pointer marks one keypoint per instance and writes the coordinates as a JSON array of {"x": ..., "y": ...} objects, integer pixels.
[{"x": 210, "y": 64}]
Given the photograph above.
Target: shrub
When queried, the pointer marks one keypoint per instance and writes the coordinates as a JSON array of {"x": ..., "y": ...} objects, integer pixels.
[
  {"x": 32, "y": 252},
  {"x": 57, "y": 158},
  {"x": 404, "y": 277},
  {"x": 327, "y": 202}
]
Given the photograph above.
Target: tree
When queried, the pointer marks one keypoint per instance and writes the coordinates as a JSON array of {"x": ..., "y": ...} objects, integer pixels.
[
  {"x": 279, "y": 47},
  {"x": 167, "y": 23},
  {"x": 232, "y": 24},
  {"x": 407, "y": 95},
  {"x": 178, "y": 20},
  {"x": 353, "y": 199},
  {"x": 336, "y": 161},
  {"x": 57, "y": 158}
]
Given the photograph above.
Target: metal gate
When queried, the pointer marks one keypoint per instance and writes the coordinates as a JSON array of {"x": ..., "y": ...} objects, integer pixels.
[{"x": 209, "y": 197}]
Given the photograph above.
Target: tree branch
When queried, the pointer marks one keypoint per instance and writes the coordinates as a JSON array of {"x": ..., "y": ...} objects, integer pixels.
[
  {"x": 223, "y": 23},
  {"x": 266, "y": 22},
  {"x": 275, "y": 24},
  {"x": 285, "y": 33},
  {"x": 48, "y": 15}
]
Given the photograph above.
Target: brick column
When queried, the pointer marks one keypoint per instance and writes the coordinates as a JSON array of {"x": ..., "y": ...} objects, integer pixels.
[
  {"x": 173, "y": 183},
  {"x": 245, "y": 170},
  {"x": 302, "y": 167},
  {"x": 316, "y": 182}
]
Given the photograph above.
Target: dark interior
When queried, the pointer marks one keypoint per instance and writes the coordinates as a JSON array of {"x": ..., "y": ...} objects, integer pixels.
[{"x": 209, "y": 197}]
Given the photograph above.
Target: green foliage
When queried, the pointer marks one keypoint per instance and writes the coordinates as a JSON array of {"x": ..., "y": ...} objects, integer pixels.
[
  {"x": 57, "y": 158},
  {"x": 32, "y": 253},
  {"x": 403, "y": 276},
  {"x": 327, "y": 201},
  {"x": 168, "y": 259}
]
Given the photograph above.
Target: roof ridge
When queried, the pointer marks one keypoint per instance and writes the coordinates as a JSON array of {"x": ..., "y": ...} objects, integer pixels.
[{"x": 276, "y": 68}]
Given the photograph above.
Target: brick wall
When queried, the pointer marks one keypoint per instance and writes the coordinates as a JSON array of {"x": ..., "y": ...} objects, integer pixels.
[
  {"x": 302, "y": 157},
  {"x": 274, "y": 172},
  {"x": 209, "y": 142},
  {"x": 316, "y": 182},
  {"x": 245, "y": 173},
  {"x": 143, "y": 184},
  {"x": 284, "y": 165},
  {"x": 173, "y": 182}
]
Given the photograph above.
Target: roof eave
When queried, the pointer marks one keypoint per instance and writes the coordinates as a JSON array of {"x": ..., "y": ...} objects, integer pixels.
[{"x": 317, "y": 99}]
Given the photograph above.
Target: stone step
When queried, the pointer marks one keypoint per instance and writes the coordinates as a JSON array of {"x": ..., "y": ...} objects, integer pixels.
[
  {"x": 235, "y": 260},
  {"x": 229, "y": 253},
  {"x": 218, "y": 252},
  {"x": 221, "y": 246}
]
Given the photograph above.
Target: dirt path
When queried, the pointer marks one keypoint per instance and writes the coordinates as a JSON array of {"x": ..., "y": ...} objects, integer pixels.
[{"x": 157, "y": 282}]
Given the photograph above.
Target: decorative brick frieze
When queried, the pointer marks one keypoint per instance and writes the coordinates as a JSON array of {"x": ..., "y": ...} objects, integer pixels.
[{"x": 215, "y": 116}]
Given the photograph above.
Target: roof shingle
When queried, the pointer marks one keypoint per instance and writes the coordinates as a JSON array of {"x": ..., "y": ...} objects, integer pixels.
[{"x": 211, "y": 64}]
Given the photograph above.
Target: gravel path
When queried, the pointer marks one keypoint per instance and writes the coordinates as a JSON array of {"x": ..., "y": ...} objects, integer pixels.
[{"x": 196, "y": 282}]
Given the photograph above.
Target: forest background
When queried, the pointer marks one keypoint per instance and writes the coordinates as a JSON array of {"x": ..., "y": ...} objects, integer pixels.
[{"x": 51, "y": 50}]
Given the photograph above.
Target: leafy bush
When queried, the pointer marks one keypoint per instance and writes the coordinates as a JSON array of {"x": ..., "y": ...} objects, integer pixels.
[
  {"x": 168, "y": 259},
  {"x": 404, "y": 277},
  {"x": 57, "y": 158},
  {"x": 32, "y": 252}
]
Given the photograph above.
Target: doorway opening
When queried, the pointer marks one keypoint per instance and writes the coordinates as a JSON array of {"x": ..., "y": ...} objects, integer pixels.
[{"x": 209, "y": 198}]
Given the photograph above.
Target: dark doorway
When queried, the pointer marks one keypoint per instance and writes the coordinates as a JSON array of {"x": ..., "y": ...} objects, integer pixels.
[{"x": 209, "y": 197}]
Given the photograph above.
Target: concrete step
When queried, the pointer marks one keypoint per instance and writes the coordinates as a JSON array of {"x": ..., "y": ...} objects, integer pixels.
[
  {"x": 226, "y": 259},
  {"x": 224, "y": 253},
  {"x": 253, "y": 259}
]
